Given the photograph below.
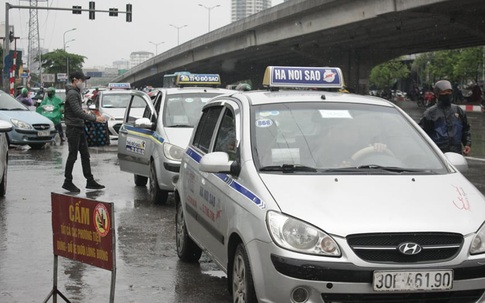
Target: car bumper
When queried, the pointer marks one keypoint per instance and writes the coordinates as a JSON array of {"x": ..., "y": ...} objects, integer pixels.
[
  {"x": 278, "y": 272},
  {"x": 169, "y": 174},
  {"x": 22, "y": 136}
]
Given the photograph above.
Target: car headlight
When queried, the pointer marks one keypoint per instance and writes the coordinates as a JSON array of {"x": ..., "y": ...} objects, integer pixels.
[
  {"x": 21, "y": 124},
  {"x": 296, "y": 235},
  {"x": 478, "y": 243},
  {"x": 173, "y": 152}
]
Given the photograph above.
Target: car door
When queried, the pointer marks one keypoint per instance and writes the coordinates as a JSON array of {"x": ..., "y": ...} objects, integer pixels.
[
  {"x": 136, "y": 141},
  {"x": 215, "y": 205}
]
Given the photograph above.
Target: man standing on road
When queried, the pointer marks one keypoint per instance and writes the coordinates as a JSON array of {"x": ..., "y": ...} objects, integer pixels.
[
  {"x": 446, "y": 123},
  {"x": 74, "y": 117}
]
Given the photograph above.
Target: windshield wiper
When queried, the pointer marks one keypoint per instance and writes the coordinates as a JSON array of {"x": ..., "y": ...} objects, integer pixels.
[
  {"x": 181, "y": 125},
  {"x": 289, "y": 168},
  {"x": 18, "y": 108},
  {"x": 391, "y": 168}
]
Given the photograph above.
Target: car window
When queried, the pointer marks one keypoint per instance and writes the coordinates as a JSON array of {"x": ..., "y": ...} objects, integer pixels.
[
  {"x": 7, "y": 102},
  {"x": 335, "y": 135},
  {"x": 205, "y": 128},
  {"x": 225, "y": 140},
  {"x": 115, "y": 101},
  {"x": 184, "y": 109}
]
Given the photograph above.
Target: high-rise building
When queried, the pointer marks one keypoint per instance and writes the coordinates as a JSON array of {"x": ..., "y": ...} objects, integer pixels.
[{"x": 242, "y": 8}]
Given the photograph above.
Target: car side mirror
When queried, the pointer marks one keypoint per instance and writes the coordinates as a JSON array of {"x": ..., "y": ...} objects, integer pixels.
[
  {"x": 144, "y": 123},
  {"x": 457, "y": 161},
  {"x": 5, "y": 126},
  {"x": 218, "y": 162}
]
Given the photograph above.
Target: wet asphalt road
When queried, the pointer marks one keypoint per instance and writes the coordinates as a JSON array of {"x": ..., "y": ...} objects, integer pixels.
[{"x": 148, "y": 269}]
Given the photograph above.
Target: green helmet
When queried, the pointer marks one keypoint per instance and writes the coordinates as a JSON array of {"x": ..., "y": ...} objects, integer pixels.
[
  {"x": 24, "y": 91},
  {"x": 51, "y": 90}
]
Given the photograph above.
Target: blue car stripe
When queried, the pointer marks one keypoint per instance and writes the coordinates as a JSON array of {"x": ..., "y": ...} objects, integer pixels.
[
  {"x": 230, "y": 181},
  {"x": 145, "y": 133}
]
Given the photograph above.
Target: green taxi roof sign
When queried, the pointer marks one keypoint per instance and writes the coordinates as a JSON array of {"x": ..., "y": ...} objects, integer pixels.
[{"x": 198, "y": 80}]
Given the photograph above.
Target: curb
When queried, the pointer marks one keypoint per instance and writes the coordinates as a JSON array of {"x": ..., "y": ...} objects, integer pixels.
[{"x": 471, "y": 108}]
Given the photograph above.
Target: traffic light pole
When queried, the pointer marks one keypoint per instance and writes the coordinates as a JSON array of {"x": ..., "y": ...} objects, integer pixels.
[{"x": 78, "y": 10}]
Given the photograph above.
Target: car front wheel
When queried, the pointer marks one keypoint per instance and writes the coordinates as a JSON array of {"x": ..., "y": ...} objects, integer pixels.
[
  {"x": 187, "y": 250},
  {"x": 141, "y": 180},
  {"x": 3, "y": 184},
  {"x": 157, "y": 195},
  {"x": 242, "y": 279}
]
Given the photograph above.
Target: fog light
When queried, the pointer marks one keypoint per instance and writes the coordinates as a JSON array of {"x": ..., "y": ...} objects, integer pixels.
[{"x": 299, "y": 295}]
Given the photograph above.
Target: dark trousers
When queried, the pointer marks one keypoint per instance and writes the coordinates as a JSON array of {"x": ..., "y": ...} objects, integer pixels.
[
  {"x": 59, "y": 130},
  {"x": 76, "y": 141}
]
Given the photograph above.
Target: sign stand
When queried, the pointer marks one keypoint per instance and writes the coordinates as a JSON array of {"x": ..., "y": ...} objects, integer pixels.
[{"x": 83, "y": 230}]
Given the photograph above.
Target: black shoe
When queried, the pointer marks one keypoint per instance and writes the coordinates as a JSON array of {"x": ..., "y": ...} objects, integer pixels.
[
  {"x": 91, "y": 184},
  {"x": 69, "y": 186}
]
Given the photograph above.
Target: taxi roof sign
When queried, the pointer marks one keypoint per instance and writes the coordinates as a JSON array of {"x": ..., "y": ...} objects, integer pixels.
[
  {"x": 198, "y": 80},
  {"x": 119, "y": 86},
  {"x": 314, "y": 77}
]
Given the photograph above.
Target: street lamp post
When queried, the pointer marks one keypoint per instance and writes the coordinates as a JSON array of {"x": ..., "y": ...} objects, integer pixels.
[
  {"x": 209, "y": 14},
  {"x": 67, "y": 56},
  {"x": 178, "y": 31},
  {"x": 64, "y": 37},
  {"x": 156, "y": 46}
]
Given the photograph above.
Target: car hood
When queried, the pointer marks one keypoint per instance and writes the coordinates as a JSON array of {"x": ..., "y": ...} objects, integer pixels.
[
  {"x": 24, "y": 115},
  {"x": 179, "y": 136},
  {"x": 343, "y": 205}
]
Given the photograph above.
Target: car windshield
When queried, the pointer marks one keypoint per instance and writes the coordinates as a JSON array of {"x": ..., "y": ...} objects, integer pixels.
[
  {"x": 121, "y": 101},
  {"x": 336, "y": 137},
  {"x": 183, "y": 110},
  {"x": 7, "y": 102}
]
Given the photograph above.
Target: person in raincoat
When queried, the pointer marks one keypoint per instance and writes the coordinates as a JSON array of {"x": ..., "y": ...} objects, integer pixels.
[
  {"x": 24, "y": 97},
  {"x": 52, "y": 107}
]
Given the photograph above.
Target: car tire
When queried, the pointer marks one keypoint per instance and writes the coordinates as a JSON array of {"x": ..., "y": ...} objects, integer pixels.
[
  {"x": 37, "y": 146},
  {"x": 242, "y": 284},
  {"x": 3, "y": 184},
  {"x": 140, "y": 180},
  {"x": 187, "y": 250},
  {"x": 157, "y": 195}
]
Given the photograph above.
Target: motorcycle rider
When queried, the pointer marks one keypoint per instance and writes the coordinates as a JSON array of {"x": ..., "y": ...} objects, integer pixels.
[
  {"x": 52, "y": 107},
  {"x": 24, "y": 97},
  {"x": 447, "y": 123}
]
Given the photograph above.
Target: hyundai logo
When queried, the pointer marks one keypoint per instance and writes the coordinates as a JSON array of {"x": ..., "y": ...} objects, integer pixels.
[{"x": 410, "y": 248}]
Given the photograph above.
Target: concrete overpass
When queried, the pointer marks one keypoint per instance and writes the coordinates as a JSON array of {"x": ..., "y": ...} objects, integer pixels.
[{"x": 355, "y": 35}]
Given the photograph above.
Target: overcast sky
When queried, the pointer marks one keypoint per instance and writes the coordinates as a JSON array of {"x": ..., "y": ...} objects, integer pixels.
[{"x": 107, "y": 39}]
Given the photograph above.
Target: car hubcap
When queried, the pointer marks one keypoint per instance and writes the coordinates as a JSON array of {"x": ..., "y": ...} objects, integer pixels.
[{"x": 238, "y": 278}]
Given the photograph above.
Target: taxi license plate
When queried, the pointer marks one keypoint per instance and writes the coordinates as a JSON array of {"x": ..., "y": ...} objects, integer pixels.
[
  {"x": 43, "y": 133},
  {"x": 413, "y": 280}
]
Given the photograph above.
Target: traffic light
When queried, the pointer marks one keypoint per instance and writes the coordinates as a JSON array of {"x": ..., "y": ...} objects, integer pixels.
[
  {"x": 113, "y": 12},
  {"x": 92, "y": 10},
  {"x": 76, "y": 9},
  {"x": 128, "y": 13}
]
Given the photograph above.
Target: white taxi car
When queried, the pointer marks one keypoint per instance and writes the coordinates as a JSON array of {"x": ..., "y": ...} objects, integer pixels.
[
  {"x": 321, "y": 196},
  {"x": 152, "y": 147},
  {"x": 112, "y": 104}
]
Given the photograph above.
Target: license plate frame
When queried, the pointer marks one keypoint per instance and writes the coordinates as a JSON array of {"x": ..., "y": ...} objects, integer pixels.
[
  {"x": 43, "y": 133},
  {"x": 412, "y": 280}
]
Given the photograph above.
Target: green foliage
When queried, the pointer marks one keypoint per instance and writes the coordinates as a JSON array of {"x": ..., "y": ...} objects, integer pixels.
[
  {"x": 460, "y": 65},
  {"x": 56, "y": 61},
  {"x": 385, "y": 75}
]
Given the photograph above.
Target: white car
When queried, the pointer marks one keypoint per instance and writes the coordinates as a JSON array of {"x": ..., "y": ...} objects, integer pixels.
[
  {"x": 4, "y": 127},
  {"x": 112, "y": 104},
  {"x": 151, "y": 147},
  {"x": 321, "y": 196}
]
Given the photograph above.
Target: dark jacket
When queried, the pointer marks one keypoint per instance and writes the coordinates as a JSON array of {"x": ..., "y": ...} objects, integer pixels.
[
  {"x": 73, "y": 111},
  {"x": 447, "y": 126}
]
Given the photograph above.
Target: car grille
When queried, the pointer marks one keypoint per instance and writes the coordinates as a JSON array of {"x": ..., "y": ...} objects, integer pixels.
[
  {"x": 384, "y": 247},
  {"x": 41, "y": 126},
  {"x": 469, "y": 296}
]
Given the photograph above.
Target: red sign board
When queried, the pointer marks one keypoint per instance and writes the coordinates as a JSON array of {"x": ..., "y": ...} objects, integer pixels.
[{"x": 83, "y": 230}]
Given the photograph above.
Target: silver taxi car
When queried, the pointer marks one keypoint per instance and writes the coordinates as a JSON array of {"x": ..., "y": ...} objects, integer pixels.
[
  {"x": 323, "y": 196},
  {"x": 151, "y": 147}
]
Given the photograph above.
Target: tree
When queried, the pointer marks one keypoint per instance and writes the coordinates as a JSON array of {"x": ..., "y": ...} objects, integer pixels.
[
  {"x": 387, "y": 74},
  {"x": 57, "y": 60}
]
